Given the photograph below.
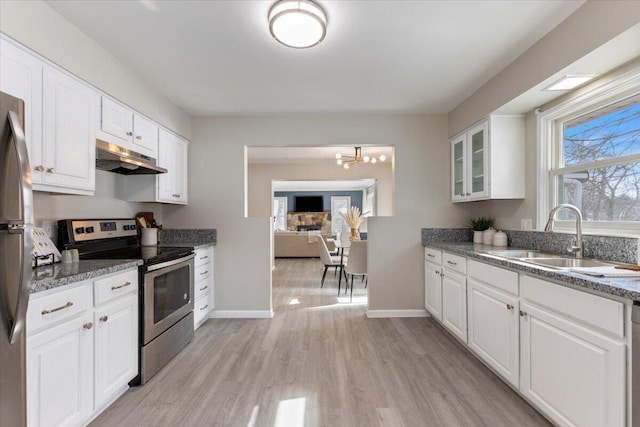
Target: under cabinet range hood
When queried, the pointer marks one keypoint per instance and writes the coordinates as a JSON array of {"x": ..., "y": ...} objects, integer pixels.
[{"x": 113, "y": 158}]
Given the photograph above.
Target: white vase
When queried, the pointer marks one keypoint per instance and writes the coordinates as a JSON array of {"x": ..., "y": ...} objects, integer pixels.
[{"x": 477, "y": 237}]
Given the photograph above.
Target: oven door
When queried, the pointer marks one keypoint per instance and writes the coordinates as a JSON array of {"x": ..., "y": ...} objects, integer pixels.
[{"x": 168, "y": 295}]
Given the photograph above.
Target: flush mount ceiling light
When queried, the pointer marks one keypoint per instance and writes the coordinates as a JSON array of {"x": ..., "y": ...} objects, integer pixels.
[
  {"x": 348, "y": 161},
  {"x": 297, "y": 23},
  {"x": 570, "y": 81}
]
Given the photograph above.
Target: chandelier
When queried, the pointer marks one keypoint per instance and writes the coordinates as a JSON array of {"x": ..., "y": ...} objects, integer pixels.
[
  {"x": 348, "y": 161},
  {"x": 297, "y": 23}
]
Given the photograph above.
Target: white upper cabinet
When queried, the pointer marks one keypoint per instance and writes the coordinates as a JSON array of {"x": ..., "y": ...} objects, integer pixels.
[
  {"x": 172, "y": 155},
  {"x": 487, "y": 160},
  {"x": 121, "y": 126},
  {"x": 69, "y": 149}
]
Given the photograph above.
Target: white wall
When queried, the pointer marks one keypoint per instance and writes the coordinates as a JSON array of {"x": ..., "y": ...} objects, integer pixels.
[
  {"x": 243, "y": 253},
  {"x": 261, "y": 175}
]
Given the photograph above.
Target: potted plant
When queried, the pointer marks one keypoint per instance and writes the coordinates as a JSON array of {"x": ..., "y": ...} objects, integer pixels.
[{"x": 479, "y": 224}]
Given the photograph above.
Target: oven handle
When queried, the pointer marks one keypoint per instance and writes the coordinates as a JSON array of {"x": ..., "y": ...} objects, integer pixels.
[{"x": 170, "y": 263}]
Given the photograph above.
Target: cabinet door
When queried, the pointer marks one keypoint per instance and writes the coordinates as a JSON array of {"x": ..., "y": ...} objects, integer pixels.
[
  {"x": 145, "y": 138},
  {"x": 181, "y": 177},
  {"x": 69, "y": 132},
  {"x": 454, "y": 303},
  {"x": 116, "y": 347},
  {"x": 433, "y": 289},
  {"x": 117, "y": 120},
  {"x": 167, "y": 159},
  {"x": 574, "y": 374},
  {"x": 60, "y": 374},
  {"x": 458, "y": 169},
  {"x": 493, "y": 329},
  {"x": 477, "y": 166},
  {"x": 21, "y": 76}
]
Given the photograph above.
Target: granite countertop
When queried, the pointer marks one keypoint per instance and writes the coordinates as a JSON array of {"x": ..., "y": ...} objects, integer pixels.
[
  {"x": 185, "y": 244},
  {"x": 621, "y": 287},
  {"x": 197, "y": 238},
  {"x": 53, "y": 276}
]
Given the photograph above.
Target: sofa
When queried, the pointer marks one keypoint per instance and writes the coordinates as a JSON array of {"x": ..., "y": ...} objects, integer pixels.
[{"x": 297, "y": 244}]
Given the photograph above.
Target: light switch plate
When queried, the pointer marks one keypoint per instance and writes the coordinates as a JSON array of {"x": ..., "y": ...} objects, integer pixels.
[{"x": 526, "y": 224}]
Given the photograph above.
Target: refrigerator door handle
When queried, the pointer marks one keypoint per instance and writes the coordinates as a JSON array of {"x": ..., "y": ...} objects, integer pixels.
[{"x": 18, "y": 322}]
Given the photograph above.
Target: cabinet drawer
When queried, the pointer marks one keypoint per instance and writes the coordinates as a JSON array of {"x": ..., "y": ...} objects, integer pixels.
[
  {"x": 495, "y": 276},
  {"x": 433, "y": 255},
  {"x": 202, "y": 273},
  {"x": 454, "y": 262},
  {"x": 58, "y": 307},
  {"x": 599, "y": 312},
  {"x": 202, "y": 287},
  {"x": 203, "y": 256},
  {"x": 201, "y": 310},
  {"x": 111, "y": 287}
]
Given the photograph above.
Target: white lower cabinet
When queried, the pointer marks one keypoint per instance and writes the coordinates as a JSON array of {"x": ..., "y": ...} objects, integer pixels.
[
  {"x": 203, "y": 287},
  {"x": 454, "y": 304},
  {"x": 60, "y": 374},
  {"x": 80, "y": 358},
  {"x": 433, "y": 289}
]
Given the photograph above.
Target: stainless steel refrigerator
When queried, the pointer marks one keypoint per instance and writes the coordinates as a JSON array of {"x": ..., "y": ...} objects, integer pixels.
[{"x": 16, "y": 221}]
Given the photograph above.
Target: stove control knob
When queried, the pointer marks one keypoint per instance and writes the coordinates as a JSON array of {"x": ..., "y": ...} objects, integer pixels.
[
  {"x": 125, "y": 228},
  {"x": 79, "y": 230},
  {"x": 132, "y": 227},
  {"x": 88, "y": 230}
]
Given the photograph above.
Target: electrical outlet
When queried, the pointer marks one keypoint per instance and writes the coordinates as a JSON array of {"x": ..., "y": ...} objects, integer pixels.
[
  {"x": 47, "y": 226},
  {"x": 526, "y": 224}
]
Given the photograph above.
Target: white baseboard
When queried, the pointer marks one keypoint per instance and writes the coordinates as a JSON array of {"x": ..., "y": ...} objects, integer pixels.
[
  {"x": 241, "y": 314},
  {"x": 372, "y": 314}
]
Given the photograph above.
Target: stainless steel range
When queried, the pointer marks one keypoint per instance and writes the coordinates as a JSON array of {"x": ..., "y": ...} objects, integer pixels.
[{"x": 166, "y": 284}]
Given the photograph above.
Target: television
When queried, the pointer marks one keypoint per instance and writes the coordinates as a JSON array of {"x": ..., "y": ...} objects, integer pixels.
[{"x": 309, "y": 203}]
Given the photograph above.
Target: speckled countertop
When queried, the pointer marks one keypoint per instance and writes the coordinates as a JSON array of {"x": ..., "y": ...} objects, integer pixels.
[
  {"x": 56, "y": 275},
  {"x": 198, "y": 238},
  {"x": 621, "y": 287}
]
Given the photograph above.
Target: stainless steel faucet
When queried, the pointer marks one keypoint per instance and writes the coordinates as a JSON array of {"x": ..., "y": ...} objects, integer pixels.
[{"x": 576, "y": 246}]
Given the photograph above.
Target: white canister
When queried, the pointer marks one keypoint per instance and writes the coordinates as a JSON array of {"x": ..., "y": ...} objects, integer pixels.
[
  {"x": 477, "y": 236},
  {"x": 500, "y": 239},
  {"x": 487, "y": 236},
  {"x": 149, "y": 237}
]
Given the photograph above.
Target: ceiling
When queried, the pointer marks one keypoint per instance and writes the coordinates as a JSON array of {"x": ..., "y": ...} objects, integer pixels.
[
  {"x": 217, "y": 57},
  {"x": 311, "y": 154}
]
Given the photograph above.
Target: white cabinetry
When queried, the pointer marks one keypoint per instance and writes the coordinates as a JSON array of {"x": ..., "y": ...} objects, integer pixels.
[
  {"x": 121, "y": 126},
  {"x": 454, "y": 295},
  {"x": 59, "y": 120},
  {"x": 493, "y": 318},
  {"x": 203, "y": 291},
  {"x": 574, "y": 372},
  {"x": 487, "y": 160},
  {"x": 80, "y": 359},
  {"x": 433, "y": 282}
]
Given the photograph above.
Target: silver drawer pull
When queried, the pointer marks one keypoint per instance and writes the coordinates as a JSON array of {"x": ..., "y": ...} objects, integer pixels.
[
  {"x": 452, "y": 263},
  {"x": 113, "y": 288},
  {"x": 431, "y": 255},
  {"x": 204, "y": 272},
  {"x": 509, "y": 306},
  {"x": 53, "y": 310},
  {"x": 104, "y": 318},
  {"x": 202, "y": 289},
  {"x": 204, "y": 257},
  {"x": 205, "y": 307},
  {"x": 88, "y": 326}
]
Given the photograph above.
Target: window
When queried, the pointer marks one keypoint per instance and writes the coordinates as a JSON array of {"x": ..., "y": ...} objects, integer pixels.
[
  {"x": 279, "y": 213},
  {"x": 590, "y": 152}
]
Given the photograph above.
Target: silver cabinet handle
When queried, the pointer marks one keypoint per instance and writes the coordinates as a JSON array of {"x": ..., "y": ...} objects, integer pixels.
[
  {"x": 509, "y": 307},
  {"x": 202, "y": 289},
  {"x": 452, "y": 263},
  {"x": 39, "y": 168},
  {"x": 523, "y": 313},
  {"x": 204, "y": 272},
  {"x": 113, "y": 288},
  {"x": 129, "y": 133},
  {"x": 104, "y": 318},
  {"x": 437, "y": 272},
  {"x": 138, "y": 137},
  {"x": 176, "y": 195},
  {"x": 88, "y": 326},
  {"x": 431, "y": 255},
  {"x": 51, "y": 170},
  {"x": 204, "y": 257},
  {"x": 205, "y": 307},
  {"x": 53, "y": 310}
]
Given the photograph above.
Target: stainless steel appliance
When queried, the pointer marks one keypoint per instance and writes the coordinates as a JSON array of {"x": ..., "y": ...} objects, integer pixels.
[
  {"x": 166, "y": 284},
  {"x": 16, "y": 221},
  {"x": 635, "y": 363},
  {"x": 113, "y": 158}
]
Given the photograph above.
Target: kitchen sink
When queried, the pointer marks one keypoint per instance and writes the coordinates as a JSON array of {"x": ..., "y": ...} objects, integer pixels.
[
  {"x": 521, "y": 254},
  {"x": 558, "y": 262}
]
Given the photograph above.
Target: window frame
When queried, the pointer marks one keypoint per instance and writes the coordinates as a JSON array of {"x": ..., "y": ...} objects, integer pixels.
[
  {"x": 285, "y": 202},
  {"x": 549, "y": 147}
]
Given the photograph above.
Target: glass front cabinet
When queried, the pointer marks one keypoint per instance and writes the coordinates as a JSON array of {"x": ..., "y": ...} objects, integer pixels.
[{"x": 487, "y": 160}]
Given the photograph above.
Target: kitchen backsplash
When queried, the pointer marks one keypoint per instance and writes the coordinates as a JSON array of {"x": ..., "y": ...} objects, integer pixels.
[{"x": 611, "y": 248}]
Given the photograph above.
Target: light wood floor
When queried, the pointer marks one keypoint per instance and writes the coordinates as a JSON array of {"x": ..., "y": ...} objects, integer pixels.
[{"x": 321, "y": 362}]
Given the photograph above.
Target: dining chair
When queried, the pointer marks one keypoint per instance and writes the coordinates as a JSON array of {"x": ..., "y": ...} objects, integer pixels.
[
  {"x": 345, "y": 242},
  {"x": 356, "y": 263},
  {"x": 330, "y": 261}
]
